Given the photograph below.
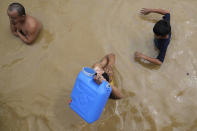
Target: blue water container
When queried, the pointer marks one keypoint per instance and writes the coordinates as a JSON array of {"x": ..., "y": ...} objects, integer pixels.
[{"x": 89, "y": 98}]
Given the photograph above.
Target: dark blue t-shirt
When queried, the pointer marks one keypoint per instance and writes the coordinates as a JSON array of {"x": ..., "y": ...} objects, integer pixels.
[{"x": 162, "y": 44}]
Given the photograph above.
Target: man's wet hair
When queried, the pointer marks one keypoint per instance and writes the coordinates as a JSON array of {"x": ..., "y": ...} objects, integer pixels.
[
  {"x": 162, "y": 28},
  {"x": 18, "y": 7}
]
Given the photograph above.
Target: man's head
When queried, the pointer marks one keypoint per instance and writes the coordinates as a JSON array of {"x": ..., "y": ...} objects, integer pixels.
[
  {"x": 162, "y": 28},
  {"x": 16, "y": 13}
]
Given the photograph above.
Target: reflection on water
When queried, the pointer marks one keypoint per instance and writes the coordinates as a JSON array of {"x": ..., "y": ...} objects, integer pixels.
[
  {"x": 48, "y": 38},
  {"x": 12, "y": 63},
  {"x": 36, "y": 81}
]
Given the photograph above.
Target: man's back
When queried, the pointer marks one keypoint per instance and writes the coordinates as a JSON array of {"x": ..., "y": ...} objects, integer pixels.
[{"x": 31, "y": 25}]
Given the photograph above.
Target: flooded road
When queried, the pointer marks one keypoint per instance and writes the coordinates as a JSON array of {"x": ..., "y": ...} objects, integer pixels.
[{"x": 36, "y": 81}]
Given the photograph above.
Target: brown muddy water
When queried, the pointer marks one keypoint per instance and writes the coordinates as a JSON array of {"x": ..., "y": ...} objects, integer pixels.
[{"x": 36, "y": 81}]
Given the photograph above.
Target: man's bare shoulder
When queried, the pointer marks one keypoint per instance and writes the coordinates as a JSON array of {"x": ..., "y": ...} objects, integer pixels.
[{"x": 32, "y": 24}]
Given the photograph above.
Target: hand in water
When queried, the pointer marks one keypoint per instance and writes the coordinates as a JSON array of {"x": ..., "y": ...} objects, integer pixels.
[
  {"x": 98, "y": 79},
  {"x": 18, "y": 27},
  {"x": 138, "y": 55},
  {"x": 145, "y": 11}
]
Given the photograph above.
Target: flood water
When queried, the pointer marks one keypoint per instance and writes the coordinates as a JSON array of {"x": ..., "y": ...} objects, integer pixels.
[{"x": 36, "y": 81}]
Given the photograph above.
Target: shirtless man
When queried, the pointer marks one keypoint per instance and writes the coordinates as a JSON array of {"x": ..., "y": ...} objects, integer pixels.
[
  {"x": 104, "y": 71},
  {"x": 22, "y": 25}
]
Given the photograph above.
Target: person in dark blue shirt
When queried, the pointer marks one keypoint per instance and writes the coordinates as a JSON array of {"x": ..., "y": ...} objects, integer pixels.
[{"x": 162, "y": 31}]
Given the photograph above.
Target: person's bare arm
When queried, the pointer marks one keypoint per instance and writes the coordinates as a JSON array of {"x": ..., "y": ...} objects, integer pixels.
[
  {"x": 103, "y": 62},
  {"x": 107, "y": 60},
  {"x": 13, "y": 29},
  {"x": 31, "y": 34},
  {"x": 115, "y": 94},
  {"x": 146, "y": 11},
  {"x": 111, "y": 59},
  {"x": 109, "y": 66},
  {"x": 25, "y": 38},
  {"x": 152, "y": 60}
]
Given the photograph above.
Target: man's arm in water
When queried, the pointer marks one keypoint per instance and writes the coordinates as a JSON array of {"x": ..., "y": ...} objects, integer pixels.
[
  {"x": 146, "y": 11},
  {"x": 152, "y": 60},
  {"x": 108, "y": 60},
  {"x": 31, "y": 35},
  {"x": 115, "y": 94},
  {"x": 13, "y": 29}
]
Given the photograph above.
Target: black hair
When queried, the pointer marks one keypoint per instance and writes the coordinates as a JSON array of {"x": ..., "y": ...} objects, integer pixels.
[
  {"x": 162, "y": 28},
  {"x": 18, "y": 7}
]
